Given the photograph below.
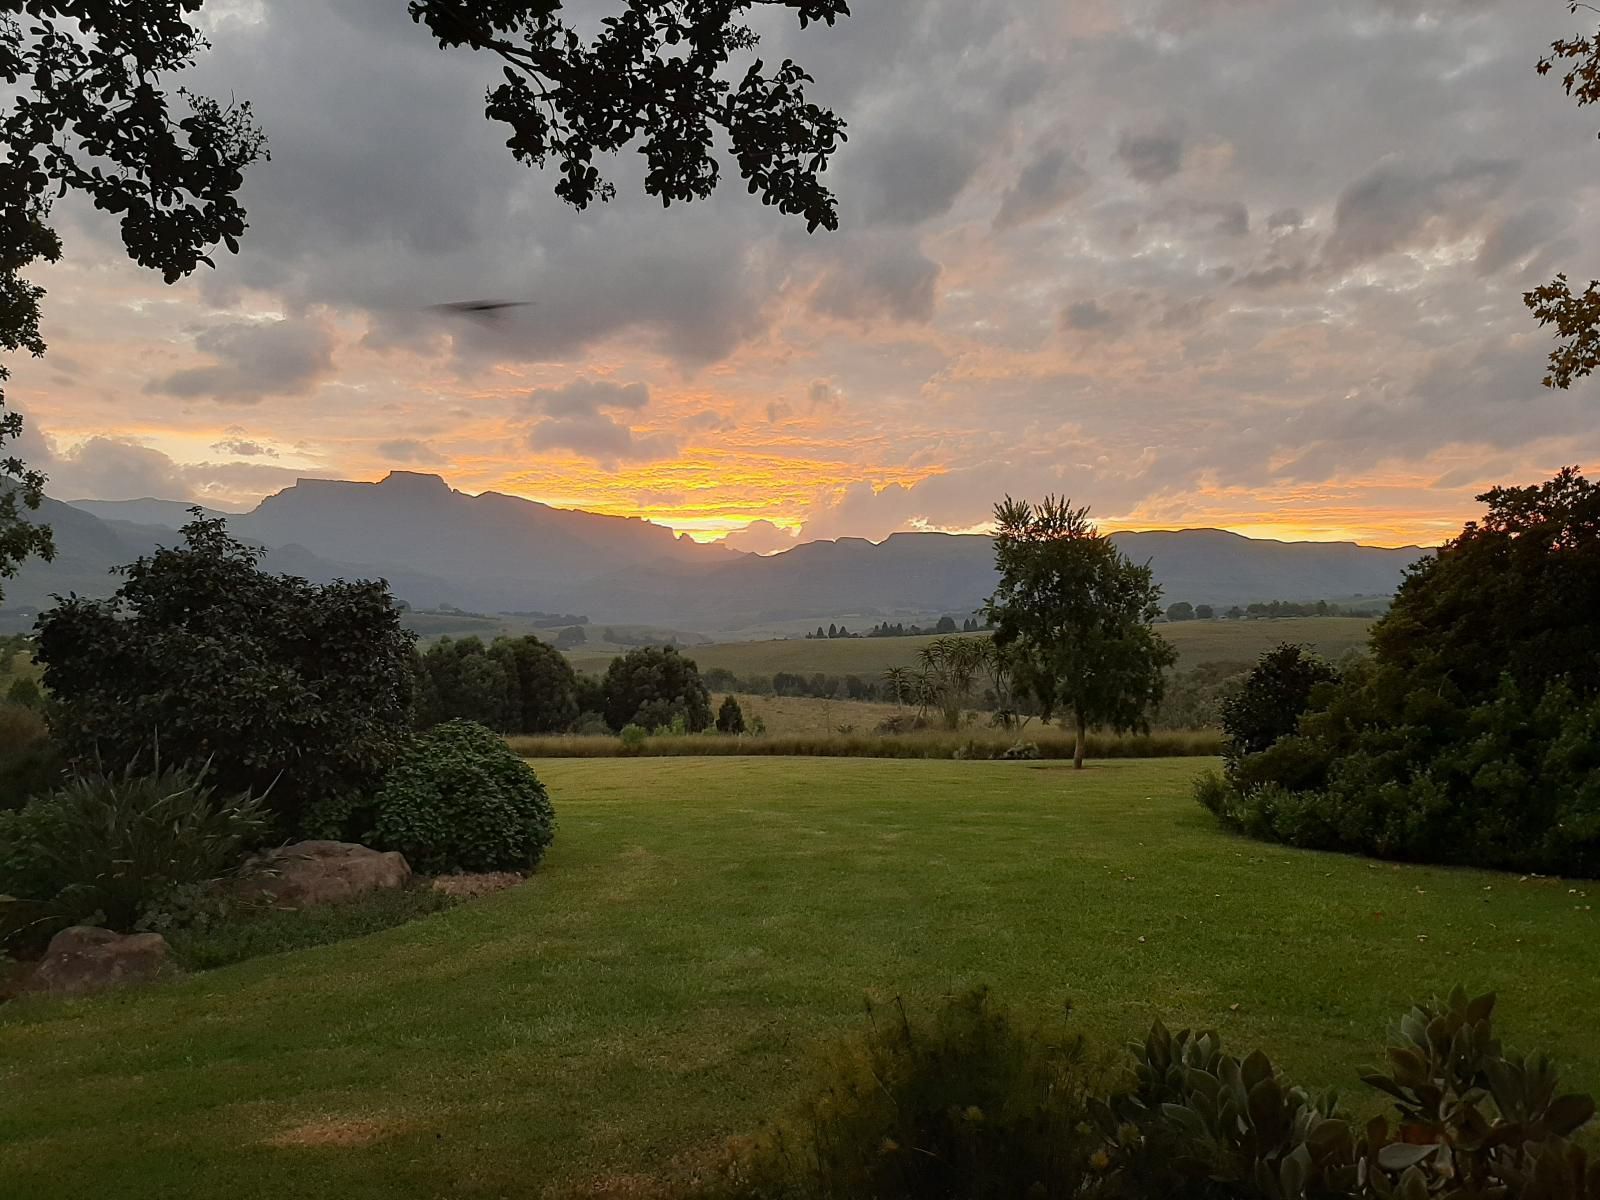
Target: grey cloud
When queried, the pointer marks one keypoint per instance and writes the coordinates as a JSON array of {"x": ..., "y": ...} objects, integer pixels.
[
  {"x": 891, "y": 278},
  {"x": 760, "y": 537},
  {"x": 1397, "y": 204},
  {"x": 913, "y": 174},
  {"x": 105, "y": 468},
  {"x": 583, "y": 397},
  {"x": 1086, "y": 314},
  {"x": 600, "y": 437},
  {"x": 1047, "y": 182},
  {"x": 409, "y": 450},
  {"x": 244, "y": 448},
  {"x": 1151, "y": 157},
  {"x": 1286, "y": 218},
  {"x": 253, "y": 360}
]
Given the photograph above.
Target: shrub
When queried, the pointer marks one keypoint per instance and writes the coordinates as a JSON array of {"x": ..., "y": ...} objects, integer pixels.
[
  {"x": 460, "y": 800},
  {"x": 970, "y": 1105},
  {"x": 590, "y": 724},
  {"x": 30, "y": 762},
  {"x": 108, "y": 849},
  {"x": 730, "y": 717},
  {"x": 279, "y": 683},
  {"x": 24, "y": 691},
  {"x": 633, "y": 737},
  {"x": 1269, "y": 703},
  {"x": 20, "y": 727},
  {"x": 1021, "y": 751},
  {"x": 1473, "y": 1122}
]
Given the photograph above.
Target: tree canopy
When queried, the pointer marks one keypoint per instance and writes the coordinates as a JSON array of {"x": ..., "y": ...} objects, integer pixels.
[
  {"x": 1076, "y": 613},
  {"x": 656, "y": 72},
  {"x": 201, "y": 656}
]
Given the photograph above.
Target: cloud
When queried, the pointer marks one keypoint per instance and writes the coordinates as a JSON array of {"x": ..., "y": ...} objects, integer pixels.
[
  {"x": 1046, "y": 182},
  {"x": 889, "y": 278},
  {"x": 243, "y": 447},
  {"x": 1151, "y": 157},
  {"x": 761, "y": 537},
  {"x": 253, "y": 360},
  {"x": 410, "y": 450},
  {"x": 1086, "y": 314},
  {"x": 1398, "y": 205},
  {"x": 578, "y": 417},
  {"x": 105, "y": 468}
]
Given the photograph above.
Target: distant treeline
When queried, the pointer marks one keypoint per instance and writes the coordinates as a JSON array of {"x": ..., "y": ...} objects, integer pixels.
[
  {"x": 1183, "y": 611},
  {"x": 946, "y": 624}
]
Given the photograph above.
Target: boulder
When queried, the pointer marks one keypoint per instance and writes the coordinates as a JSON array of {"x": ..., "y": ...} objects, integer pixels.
[
  {"x": 310, "y": 873},
  {"x": 85, "y": 959}
]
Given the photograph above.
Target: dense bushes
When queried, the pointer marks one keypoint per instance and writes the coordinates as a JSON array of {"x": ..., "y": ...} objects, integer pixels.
[
  {"x": 460, "y": 800},
  {"x": 972, "y": 1106},
  {"x": 30, "y": 762},
  {"x": 1472, "y": 735},
  {"x": 109, "y": 849},
  {"x": 969, "y": 1105},
  {"x": 1049, "y": 741},
  {"x": 654, "y": 686},
  {"x": 281, "y": 684}
]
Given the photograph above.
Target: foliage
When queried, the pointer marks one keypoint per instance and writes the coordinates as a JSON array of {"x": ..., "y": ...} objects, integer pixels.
[
  {"x": 971, "y": 1104},
  {"x": 1473, "y": 1122},
  {"x": 89, "y": 114},
  {"x": 660, "y": 678},
  {"x": 517, "y": 685},
  {"x": 240, "y": 934},
  {"x": 949, "y": 666},
  {"x": 1077, "y": 613},
  {"x": 1268, "y": 704},
  {"x": 1472, "y": 735},
  {"x": 633, "y": 737},
  {"x": 459, "y": 800},
  {"x": 200, "y": 644},
  {"x": 730, "y": 717},
  {"x": 654, "y": 71},
  {"x": 108, "y": 848},
  {"x": 30, "y": 762},
  {"x": 1575, "y": 315}
]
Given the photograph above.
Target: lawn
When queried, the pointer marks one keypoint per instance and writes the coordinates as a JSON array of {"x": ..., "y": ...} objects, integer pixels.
[
  {"x": 1197, "y": 642},
  {"x": 702, "y": 927}
]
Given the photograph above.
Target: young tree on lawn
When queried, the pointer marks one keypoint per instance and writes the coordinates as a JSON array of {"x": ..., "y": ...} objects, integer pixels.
[
  {"x": 89, "y": 113},
  {"x": 1077, "y": 614},
  {"x": 730, "y": 717}
]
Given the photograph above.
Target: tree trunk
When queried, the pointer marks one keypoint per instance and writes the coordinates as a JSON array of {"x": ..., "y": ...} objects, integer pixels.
[{"x": 1077, "y": 749}]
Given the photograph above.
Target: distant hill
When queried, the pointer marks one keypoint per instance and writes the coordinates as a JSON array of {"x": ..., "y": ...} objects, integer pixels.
[
  {"x": 496, "y": 554},
  {"x": 167, "y": 514}
]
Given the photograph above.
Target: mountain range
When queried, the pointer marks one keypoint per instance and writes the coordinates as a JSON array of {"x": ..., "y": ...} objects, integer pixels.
[{"x": 498, "y": 553}]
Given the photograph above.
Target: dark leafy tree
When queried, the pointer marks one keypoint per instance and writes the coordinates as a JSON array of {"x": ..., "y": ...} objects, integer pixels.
[
  {"x": 660, "y": 682},
  {"x": 730, "y": 717},
  {"x": 571, "y": 637},
  {"x": 1575, "y": 316},
  {"x": 658, "y": 72},
  {"x": 1077, "y": 613},
  {"x": 1181, "y": 611},
  {"x": 203, "y": 656},
  {"x": 1274, "y": 694},
  {"x": 945, "y": 625},
  {"x": 462, "y": 682},
  {"x": 1204, "y": 612},
  {"x": 544, "y": 685},
  {"x": 90, "y": 112}
]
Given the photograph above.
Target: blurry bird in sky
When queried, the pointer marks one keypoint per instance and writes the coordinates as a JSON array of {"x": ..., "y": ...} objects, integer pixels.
[{"x": 483, "y": 311}]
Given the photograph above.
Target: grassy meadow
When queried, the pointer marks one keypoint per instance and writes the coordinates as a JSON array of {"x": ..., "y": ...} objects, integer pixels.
[
  {"x": 703, "y": 927},
  {"x": 1197, "y": 642}
]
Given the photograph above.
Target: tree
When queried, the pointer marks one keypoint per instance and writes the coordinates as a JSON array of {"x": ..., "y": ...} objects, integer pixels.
[
  {"x": 1181, "y": 611},
  {"x": 461, "y": 682},
  {"x": 1077, "y": 612},
  {"x": 946, "y": 624},
  {"x": 730, "y": 717},
  {"x": 90, "y": 114},
  {"x": 1575, "y": 316},
  {"x": 201, "y": 656},
  {"x": 543, "y": 684},
  {"x": 658, "y": 678},
  {"x": 1204, "y": 612},
  {"x": 571, "y": 637},
  {"x": 949, "y": 665},
  {"x": 1274, "y": 694},
  {"x": 656, "y": 72}
]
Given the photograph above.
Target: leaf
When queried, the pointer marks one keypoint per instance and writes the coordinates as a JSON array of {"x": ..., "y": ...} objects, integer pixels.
[
  {"x": 1397, "y": 1156},
  {"x": 1570, "y": 1112}
]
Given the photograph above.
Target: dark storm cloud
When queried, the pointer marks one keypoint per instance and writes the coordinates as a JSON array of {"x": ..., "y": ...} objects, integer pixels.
[
  {"x": 1398, "y": 204},
  {"x": 1047, "y": 181},
  {"x": 1086, "y": 314},
  {"x": 883, "y": 277},
  {"x": 252, "y": 360},
  {"x": 581, "y": 417},
  {"x": 1151, "y": 157}
]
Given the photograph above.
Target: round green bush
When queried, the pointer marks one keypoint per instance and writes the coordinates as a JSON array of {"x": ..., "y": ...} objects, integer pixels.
[{"x": 461, "y": 800}]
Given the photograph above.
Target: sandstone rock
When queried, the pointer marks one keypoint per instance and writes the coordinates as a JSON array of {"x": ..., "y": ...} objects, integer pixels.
[
  {"x": 310, "y": 873},
  {"x": 85, "y": 959}
]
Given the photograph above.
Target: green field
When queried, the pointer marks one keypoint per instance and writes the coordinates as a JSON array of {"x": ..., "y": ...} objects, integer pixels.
[
  {"x": 702, "y": 927},
  {"x": 1197, "y": 642}
]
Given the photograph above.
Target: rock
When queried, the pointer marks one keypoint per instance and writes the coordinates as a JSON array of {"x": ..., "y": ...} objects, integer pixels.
[
  {"x": 311, "y": 873},
  {"x": 85, "y": 959}
]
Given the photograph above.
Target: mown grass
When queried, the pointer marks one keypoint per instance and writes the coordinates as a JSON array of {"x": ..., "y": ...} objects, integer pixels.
[
  {"x": 702, "y": 927},
  {"x": 1196, "y": 641},
  {"x": 244, "y": 935},
  {"x": 1051, "y": 741}
]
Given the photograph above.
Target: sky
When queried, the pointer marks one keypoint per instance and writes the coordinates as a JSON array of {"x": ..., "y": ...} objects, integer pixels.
[{"x": 1253, "y": 264}]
